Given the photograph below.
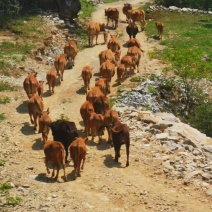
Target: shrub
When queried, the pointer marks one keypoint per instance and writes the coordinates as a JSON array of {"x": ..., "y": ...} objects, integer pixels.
[
  {"x": 201, "y": 118},
  {"x": 5, "y": 100}
]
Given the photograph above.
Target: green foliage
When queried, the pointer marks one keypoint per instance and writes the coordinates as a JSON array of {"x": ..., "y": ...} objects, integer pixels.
[
  {"x": 188, "y": 42},
  {"x": 87, "y": 8},
  {"x": 14, "y": 200},
  {"x": 2, "y": 116},
  {"x": 112, "y": 102},
  {"x": 4, "y": 86},
  {"x": 5, "y": 100},
  {"x": 201, "y": 118},
  {"x": 109, "y": 1},
  {"x": 152, "y": 90},
  {"x": 153, "y": 77},
  {"x": 136, "y": 79},
  {"x": 4, "y": 191},
  {"x": 198, "y": 4},
  {"x": 5, "y": 186},
  {"x": 64, "y": 117},
  {"x": 2, "y": 162}
]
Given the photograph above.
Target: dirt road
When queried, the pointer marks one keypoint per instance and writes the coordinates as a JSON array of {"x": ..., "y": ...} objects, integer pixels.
[{"x": 104, "y": 185}]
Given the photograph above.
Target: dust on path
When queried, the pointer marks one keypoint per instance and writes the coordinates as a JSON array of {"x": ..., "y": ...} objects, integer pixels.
[{"x": 104, "y": 185}]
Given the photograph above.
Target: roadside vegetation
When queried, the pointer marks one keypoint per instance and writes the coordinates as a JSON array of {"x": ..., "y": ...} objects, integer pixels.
[
  {"x": 187, "y": 51},
  {"x": 4, "y": 193}
]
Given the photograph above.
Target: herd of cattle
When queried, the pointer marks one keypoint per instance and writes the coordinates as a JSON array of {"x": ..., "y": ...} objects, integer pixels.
[{"x": 95, "y": 111}]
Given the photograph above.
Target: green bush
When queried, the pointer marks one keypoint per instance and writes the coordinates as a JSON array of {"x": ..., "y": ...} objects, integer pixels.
[
  {"x": 4, "y": 86},
  {"x": 201, "y": 118},
  {"x": 5, "y": 100},
  {"x": 198, "y": 4}
]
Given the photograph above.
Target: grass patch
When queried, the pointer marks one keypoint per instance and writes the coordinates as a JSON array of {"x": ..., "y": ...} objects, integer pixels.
[
  {"x": 110, "y": 1},
  {"x": 14, "y": 200},
  {"x": 87, "y": 8},
  {"x": 5, "y": 186},
  {"x": 5, "y": 100},
  {"x": 64, "y": 117},
  {"x": 136, "y": 79},
  {"x": 112, "y": 102},
  {"x": 188, "y": 39},
  {"x": 2, "y": 116},
  {"x": 4, "y": 191},
  {"x": 2, "y": 162},
  {"x": 4, "y": 86},
  {"x": 27, "y": 32}
]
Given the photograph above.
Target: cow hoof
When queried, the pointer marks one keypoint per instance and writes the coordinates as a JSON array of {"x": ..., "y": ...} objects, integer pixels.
[{"x": 64, "y": 178}]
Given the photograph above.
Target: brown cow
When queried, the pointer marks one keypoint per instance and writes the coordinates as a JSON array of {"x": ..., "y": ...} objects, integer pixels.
[
  {"x": 85, "y": 110},
  {"x": 43, "y": 122},
  {"x": 107, "y": 55},
  {"x": 60, "y": 65},
  {"x": 86, "y": 76},
  {"x": 110, "y": 117},
  {"x": 95, "y": 122},
  {"x": 77, "y": 153},
  {"x": 135, "y": 52},
  {"x": 121, "y": 73},
  {"x": 35, "y": 107},
  {"x": 134, "y": 42},
  {"x": 106, "y": 32},
  {"x": 101, "y": 104},
  {"x": 128, "y": 62},
  {"x": 138, "y": 16},
  {"x": 113, "y": 15},
  {"x": 93, "y": 31},
  {"x": 126, "y": 9},
  {"x": 103, "y": 85},
  {"x": 114, "y": 43},
  {"x": 71, "y": 50},
  {"x": 40, "y": 88},
  {"x": 159, "y": 26},
  {"x": 51, "y": 80},
  {"x": 107, "y": 70},
  {"x": 30, "y": 84},
  {"x": 93, "y": 93},
  {"x": 55, "y": 154}
]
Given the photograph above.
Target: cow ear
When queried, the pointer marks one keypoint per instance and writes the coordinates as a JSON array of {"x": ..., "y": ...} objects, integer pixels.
[
  {"x": 86, "y": 139},
  {"x": 48, "y": 111}
]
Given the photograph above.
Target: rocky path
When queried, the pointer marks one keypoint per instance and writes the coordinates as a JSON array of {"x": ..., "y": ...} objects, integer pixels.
[{"x": 104, "y": 185}]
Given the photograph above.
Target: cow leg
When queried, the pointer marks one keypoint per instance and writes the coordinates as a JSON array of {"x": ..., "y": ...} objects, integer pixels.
[
  {"x": 117, "y": 151},
  {"x": 66, "y": 157},
  {"x": 97, "y": 38},
  {"x": 53, "y": 171},
  {"x": 62, "y": 71},
  {"x": 47, "y": 168},
  {"x": 58, "y": 169},
  {"x": 83, "y": 162},
  {"x": 64, "y": 171},
  {"x": 35, "y": 120},
  {"x": 30, "y": 115},
  {"x": 127, "y": 152},
  {"x": 78, "y": 167}
]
